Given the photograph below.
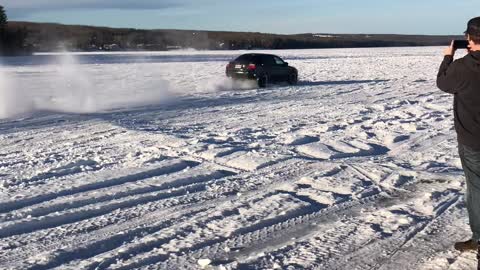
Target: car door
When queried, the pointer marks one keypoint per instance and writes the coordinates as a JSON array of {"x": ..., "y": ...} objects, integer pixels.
[
  {"x": 281, "y": 68},
  {"x": 268, "y": 66},
  {"x": 276, "y": 68}
]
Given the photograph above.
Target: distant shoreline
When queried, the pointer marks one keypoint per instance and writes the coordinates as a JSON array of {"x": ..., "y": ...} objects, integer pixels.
[
  {"x": 52, "y": 37},
  {"x": 193, "y": 51}
]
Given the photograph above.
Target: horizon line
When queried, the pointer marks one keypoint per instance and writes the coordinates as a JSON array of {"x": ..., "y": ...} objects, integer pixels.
[{"x": 199, "y": 30}]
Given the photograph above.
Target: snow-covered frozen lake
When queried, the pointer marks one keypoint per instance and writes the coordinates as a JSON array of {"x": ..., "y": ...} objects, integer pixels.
[{"x": 157, "y": 161}]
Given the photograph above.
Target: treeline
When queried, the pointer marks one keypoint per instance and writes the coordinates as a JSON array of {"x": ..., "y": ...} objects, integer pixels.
[
  {"x": 12, "y": 40},
  {"x": 45, "y": 37}
]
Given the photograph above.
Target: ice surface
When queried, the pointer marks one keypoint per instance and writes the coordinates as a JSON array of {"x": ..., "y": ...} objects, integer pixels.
[{"x": 158, "y": 161}]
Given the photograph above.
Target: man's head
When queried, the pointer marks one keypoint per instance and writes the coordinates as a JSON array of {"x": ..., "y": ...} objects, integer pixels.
[{"x": 473, "y": 30}]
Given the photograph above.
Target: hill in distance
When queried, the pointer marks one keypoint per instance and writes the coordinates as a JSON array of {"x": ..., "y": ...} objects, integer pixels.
[{"x": 47, "y": 37}]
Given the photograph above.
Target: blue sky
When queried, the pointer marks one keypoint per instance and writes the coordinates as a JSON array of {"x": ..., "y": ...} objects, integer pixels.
[{"x": 270, "y": 16}]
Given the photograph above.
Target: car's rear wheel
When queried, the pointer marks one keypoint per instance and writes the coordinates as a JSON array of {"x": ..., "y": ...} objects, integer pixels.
[
  {"x": 292, "y": 79},
  {"x": 262, "y": 81}
]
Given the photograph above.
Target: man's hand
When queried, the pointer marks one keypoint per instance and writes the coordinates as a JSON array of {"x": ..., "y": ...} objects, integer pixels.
[{"x": 450, "y": 51}]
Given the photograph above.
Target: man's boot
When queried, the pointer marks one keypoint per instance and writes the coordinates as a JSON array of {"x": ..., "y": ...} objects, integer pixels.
[
  {"x": 478, "y": 256},
  {"x": 467, "y": 245}
]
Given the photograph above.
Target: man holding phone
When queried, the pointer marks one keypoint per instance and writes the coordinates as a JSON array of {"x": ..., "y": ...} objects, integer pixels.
[{"x": 462, "y": 79}]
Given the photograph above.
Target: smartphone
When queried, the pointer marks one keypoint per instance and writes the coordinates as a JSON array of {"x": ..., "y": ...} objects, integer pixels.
[{"x": 460, "y": 44}]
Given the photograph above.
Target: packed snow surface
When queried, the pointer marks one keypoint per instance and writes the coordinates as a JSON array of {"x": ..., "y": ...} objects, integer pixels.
[{"x": 158, "y": 161}]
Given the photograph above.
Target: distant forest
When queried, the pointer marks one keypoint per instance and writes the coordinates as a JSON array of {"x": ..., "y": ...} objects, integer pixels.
[
  {"x": 12, "y": 39},
  {"x": 25, "y": 37}
]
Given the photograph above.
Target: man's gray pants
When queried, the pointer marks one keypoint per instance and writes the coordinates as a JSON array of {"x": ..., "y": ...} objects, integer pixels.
[{"x": 471, "y": 166}]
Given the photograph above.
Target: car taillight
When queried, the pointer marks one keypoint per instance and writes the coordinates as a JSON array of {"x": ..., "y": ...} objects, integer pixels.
[
  {"x": 229, "y": 65},
  {"x": 251, "y": 67}
]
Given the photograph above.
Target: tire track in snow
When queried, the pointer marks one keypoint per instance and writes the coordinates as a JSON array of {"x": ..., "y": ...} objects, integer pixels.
[
  {"x": 343, "y": 238},
  {"x": 175, "y": 166},
  {"x": 124, "y": 228},
  {"x": 374, "y": 255},
  {"x": 179, "y": 186},
  {"x": 153, "y": 242},
  {"x": 254, "y": 193},
  {"x": 227, "y": 250},
  {"x": 225, "y": 194},
  {"x": 140, "y": 196},
  {"x": 217, "y": 250},
  {"x": 437, "y": 237},
  {"x": 176, "y": 228},
  {"x": 70, "y": 248},
  {"x": 98, "y": 209},
  {"x": 419, "y": 143},
  {"x": 50, "y": 156}
]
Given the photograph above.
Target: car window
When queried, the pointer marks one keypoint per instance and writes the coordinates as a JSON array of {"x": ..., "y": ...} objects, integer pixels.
[
  {"x": 268, "y": 60},
  {"x": 245, "y": 57},
  {"x": 278, "y": 61},
  {"x": 257, "y": 59}
]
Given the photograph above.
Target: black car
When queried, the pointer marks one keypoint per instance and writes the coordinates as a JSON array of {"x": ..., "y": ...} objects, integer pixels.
[{"x": 264, "y": 68}]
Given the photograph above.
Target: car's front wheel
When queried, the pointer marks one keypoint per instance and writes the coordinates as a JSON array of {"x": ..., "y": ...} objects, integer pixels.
[{"x": 292, "y": 79}]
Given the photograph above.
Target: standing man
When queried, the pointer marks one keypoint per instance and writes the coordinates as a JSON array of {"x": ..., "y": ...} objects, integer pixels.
[{"x": 462, "y": 79}]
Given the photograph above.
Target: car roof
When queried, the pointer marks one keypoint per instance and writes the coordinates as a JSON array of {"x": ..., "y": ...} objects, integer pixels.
[{"x": 267, "y": 54}]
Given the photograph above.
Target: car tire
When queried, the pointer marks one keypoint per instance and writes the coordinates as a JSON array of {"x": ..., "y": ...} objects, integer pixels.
[
  {"x": 262, "y": 81},
  {"x": 292, "y": 79}
]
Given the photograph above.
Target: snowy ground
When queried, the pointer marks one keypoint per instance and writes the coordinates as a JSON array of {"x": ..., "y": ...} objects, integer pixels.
[{"x": 156, "y": 161}]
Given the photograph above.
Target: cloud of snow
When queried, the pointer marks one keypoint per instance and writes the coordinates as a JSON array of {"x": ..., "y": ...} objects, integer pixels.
[
  {"x": 226, "y": 84},
  {"x": 77, "y": 88},
  {"x": 71, "y": 87},
  {"x": 13, "y": 102},
  {"x": 67, "y": 85}
]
